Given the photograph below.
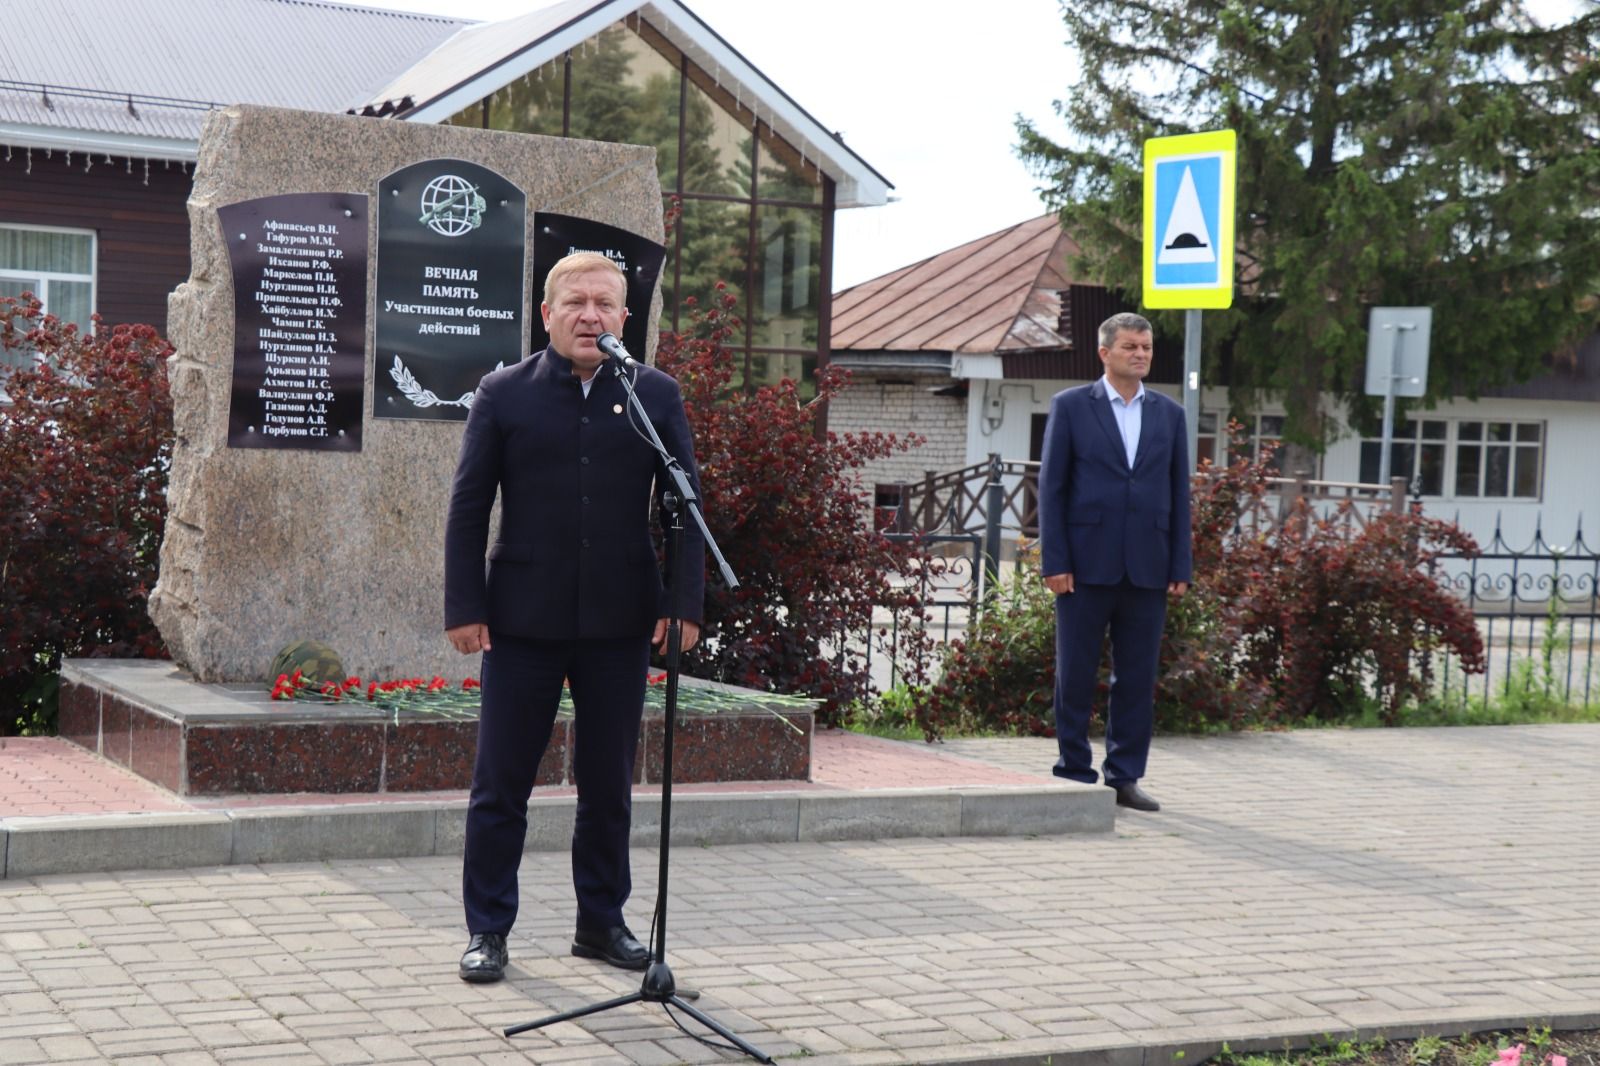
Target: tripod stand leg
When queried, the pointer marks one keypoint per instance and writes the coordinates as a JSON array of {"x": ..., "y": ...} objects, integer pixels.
[
  {"x": 720, "y": 1029},
  {"x": 581, "y": 1012}
]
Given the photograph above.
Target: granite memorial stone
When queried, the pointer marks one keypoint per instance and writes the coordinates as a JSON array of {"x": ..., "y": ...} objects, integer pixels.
[{"x": 265, "y": 545}]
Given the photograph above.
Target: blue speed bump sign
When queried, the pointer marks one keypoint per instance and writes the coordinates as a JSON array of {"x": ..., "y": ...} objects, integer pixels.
[{"x": 1188, "y": 220}]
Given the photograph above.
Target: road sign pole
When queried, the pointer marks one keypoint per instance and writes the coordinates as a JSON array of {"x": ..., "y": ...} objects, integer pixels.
[
  {"x": 1397, "y": 365},
  {"x": 1191, "y": 381},
  {"x": 1388, "y": 411},
  {"x": 1188, "y": 242},
  {"x": 1389, "y": 380}
]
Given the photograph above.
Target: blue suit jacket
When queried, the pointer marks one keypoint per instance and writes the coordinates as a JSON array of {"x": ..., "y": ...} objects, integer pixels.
[
  {"x": 575, "y": 557},
  {"x": 1101, "y": 521}
]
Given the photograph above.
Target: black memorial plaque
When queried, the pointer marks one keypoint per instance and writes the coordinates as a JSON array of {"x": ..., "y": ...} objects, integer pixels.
[
  {"x": 448, "y": 306},
  {"x": 557, "y": 236},
  {"x": 299, "y": 326}
]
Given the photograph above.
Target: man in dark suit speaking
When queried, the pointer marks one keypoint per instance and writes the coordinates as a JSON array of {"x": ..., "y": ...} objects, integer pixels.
[
  {"x": 1114, "y": 540},
  {"x": 573, "y": 593}
]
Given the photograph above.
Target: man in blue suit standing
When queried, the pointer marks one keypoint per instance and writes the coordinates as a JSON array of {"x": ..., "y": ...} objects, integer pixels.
[
  {"x": 1114, "y": 540},
  {"x": 573, "y": 594}
]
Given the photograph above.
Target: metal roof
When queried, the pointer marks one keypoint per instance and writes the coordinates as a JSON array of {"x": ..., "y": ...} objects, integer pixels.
[
  {"x": 137, "y": 78},
  {"x": 477, "y": 50},
  {"x": 999, "y": 293},
  {"x": 481, "y": 59},
  {"x": 1573, "y": 373}
]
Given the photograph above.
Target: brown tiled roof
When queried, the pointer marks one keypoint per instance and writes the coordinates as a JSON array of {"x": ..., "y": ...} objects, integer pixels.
[{"x": 999, "y": 293}]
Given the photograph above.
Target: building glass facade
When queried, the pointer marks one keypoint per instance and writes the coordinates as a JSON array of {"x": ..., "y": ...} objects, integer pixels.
[{"x": 752, "y": 212}]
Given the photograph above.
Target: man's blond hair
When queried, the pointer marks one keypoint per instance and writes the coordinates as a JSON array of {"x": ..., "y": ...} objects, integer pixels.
[{"x": 581, "y": 263}]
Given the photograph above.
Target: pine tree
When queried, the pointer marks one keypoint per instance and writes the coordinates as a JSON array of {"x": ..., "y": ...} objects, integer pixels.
[{"x": 1391, "y": 152}]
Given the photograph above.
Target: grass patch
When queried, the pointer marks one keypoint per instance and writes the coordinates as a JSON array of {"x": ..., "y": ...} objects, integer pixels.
[
  {"x": 888, "y": 715},
  {"x": 1495, "y": 712},
  {"x": 1536, "y": 1046}
]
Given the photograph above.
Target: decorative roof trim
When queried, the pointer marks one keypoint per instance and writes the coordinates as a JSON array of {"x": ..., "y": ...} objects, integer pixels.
[
  {"x": 857, "y": 183},
  {"x": 525, "y": 60},
  {"x": 55, "y": 138},
  {"x": 938, "y": 362}
]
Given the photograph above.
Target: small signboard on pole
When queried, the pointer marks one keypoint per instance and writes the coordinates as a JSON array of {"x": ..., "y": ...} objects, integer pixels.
[
  {"x": 1188, "y": 220},
  {"x": 1188, "y": 240},
  {"x": 1397, "y": 363}
]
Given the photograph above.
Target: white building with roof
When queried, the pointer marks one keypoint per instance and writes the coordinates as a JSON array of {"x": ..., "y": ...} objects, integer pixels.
[
  {"x": 101, "y": 104},
  {"x": 967, "y": 348}
]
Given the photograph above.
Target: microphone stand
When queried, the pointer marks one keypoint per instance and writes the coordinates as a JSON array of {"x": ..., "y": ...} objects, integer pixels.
[{"x": 658, "y": 985}]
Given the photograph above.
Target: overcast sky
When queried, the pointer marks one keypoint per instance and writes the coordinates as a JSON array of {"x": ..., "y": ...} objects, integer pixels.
[{"x": 926, "y": 91}]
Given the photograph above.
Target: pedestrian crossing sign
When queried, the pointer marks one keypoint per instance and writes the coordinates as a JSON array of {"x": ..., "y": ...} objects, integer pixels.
[{"x": 1188, "y": 220}]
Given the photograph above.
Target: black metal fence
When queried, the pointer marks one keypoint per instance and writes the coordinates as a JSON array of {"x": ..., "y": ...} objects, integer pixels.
[
  {"x": 1538, "y": 608},
  {"x": 1002, "y": 495},
  {"x": 997, "y": 493},
  {"x": 947, "y": 594},
  {"x": 966, "y": 515}
]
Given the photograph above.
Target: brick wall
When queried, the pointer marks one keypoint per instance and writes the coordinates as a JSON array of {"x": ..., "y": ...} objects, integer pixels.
[{"x": 901, "y": 402}]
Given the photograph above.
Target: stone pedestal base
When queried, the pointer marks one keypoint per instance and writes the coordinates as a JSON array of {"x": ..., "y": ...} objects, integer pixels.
[{"x": 231, "y": 739}]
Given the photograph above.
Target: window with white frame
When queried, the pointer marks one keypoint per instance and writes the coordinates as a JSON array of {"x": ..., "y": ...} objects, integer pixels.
[
  {"x": 56, "y": 265},
  {"x": 1464, "y": 459},
  {"x": 1266, "y": 430},
  {"x": 1260, "y": 430},
  {"x": 1205, "y": 446},
  {"x": 1499, "y": 459},
  {"x": 1421, "y": 447}
]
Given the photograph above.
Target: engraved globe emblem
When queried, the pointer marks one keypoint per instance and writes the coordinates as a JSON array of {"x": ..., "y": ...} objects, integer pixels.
[{"x": 451, "y": 206}]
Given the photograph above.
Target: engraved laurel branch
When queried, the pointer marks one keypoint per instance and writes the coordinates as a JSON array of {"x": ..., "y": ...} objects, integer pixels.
[{"x": 412, "y": 390}]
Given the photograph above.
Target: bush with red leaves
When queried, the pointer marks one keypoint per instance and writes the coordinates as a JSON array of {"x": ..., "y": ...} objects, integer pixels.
[
  {"x": 84, "y": 448},
  {"x": 1308, "y": 620},
  {"x": 787, "y": 510}
]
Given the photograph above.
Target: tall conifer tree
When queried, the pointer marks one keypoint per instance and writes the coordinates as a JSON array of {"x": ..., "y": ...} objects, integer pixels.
[{"x": 1391, "y": 152}]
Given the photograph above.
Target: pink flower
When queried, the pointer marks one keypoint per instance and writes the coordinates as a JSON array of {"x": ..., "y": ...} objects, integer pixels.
[
  {"x": 1511, "y": 1056},
  {"x": 1556, "y": 1060}
]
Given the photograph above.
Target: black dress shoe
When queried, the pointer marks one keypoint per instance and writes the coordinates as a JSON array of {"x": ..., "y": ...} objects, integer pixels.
[
  {"x": 615, "y": 946},
  {"x": 485, "y": 958},
  {"x": 1131, "y": 795}
]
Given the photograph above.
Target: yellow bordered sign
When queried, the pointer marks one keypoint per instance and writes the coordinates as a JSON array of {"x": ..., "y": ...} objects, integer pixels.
[{"x": 1188, "y": 220}]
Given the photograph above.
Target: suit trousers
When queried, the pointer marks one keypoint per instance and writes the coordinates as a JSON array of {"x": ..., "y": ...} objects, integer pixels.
[
  {"x": 521, "y": 692},
  {"x": 1134, "y": 617}
]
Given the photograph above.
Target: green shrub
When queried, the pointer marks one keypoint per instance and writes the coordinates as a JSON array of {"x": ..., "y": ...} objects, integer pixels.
[
  {"x": 1313, "y": 619},
  {"x": 1000, "y": 677}
]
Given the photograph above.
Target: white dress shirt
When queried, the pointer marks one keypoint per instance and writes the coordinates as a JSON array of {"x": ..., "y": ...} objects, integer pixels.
[{"x": 1129, "y": 415}]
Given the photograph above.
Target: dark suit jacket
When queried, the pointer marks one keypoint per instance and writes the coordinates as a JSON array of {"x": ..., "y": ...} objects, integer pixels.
[
  {"x": 575, "y": 557},
  {"x": 1099, "y": 520}
]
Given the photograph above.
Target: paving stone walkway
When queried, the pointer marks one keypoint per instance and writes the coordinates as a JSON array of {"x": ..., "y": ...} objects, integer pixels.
[
  {"x": 1294, "y": 884},
  {"x": 47, "y": 775}
]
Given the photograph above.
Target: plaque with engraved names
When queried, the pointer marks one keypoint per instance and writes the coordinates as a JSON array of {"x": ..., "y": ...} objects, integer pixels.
[
  {"x": 299, "y": 321},
  {"x": 557, "y": 236},
  {"x": 448, "y": 306}
]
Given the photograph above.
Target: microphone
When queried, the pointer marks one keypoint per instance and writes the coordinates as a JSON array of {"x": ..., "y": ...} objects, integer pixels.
[{"x": 608, "y": 343}]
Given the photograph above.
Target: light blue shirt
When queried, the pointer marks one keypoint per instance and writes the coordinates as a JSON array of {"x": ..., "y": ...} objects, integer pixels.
[{"x": 1129, "y": 416}]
